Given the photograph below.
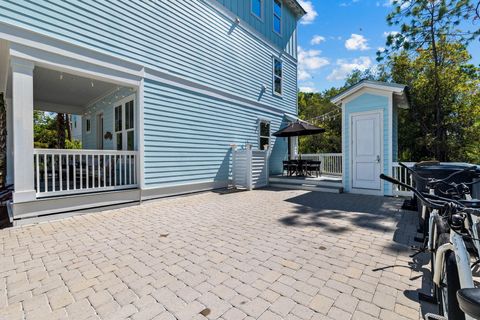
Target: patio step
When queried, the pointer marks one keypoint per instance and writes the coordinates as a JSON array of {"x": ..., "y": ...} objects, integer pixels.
[{"x": 337, "y": 188}]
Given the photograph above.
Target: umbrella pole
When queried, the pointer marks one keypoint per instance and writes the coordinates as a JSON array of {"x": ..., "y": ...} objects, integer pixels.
[{"x": 289, "y": 149}]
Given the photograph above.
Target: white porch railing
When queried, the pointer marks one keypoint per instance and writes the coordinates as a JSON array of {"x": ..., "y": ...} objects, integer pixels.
[
  {"x": 65, "y": 171},
  {"x": 331, "y": 163},
  {"x": 404, "y": 176},
  {"x": 250, "y": 168}
]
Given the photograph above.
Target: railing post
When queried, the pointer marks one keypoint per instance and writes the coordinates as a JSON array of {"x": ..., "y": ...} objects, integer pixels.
[{"x": 248, "y": 166}]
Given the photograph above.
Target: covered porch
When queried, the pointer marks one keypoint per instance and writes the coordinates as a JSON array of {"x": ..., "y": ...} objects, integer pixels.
[{"x": 104, "y": 116}]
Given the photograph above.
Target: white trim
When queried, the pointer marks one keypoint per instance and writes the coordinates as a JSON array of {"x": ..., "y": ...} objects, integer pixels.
[
  {"x": 390, "y": 144},
  {"x": 262, "y": 10},
  {"x": 280, "y": 34},
  {"x": 59, "y": 108},
  {"x": 141, "y": 134},
  {"x": 365, "y": 85},
  {"x": 382, "y": 153},
  {"x": 274, "y": 59}
]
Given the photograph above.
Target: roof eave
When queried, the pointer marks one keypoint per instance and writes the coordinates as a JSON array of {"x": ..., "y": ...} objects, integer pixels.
[
  {"x": 359, "y": 86},
  {"x": 296, "y": 8}
]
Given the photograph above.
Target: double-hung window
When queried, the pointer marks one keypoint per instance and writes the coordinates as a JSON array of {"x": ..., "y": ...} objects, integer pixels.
[
  {"x": 264, "y": 135},
  {"x": 277, "y": 76},
  {"x": 256, "y": 8},
  {"x": 125, "y": 126},
  {"x": 277, "y": 16}
]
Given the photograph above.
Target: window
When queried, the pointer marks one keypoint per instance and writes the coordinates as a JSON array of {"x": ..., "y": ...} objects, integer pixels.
[
  {"x": 264, "y": 135},
  {"x": 277, "y": 16},
  {"x": 277, "y": 76},
  {"x": 125, "y": 126},
  {"x": 88, "y": 125},
  {"x": 256, "y": 8}
]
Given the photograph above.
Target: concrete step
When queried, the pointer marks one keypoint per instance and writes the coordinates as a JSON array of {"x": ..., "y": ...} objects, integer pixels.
[
  {"x": 310, "y": 181},
  {"x": 309, "y": 187}
]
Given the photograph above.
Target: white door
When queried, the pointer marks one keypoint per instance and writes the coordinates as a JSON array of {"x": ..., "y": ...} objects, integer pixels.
[{"x": 366, "y": 142}]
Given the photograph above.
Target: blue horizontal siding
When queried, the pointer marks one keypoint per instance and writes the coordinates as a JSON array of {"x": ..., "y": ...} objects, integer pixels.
[
  {"x": 188, "y": 136},
  {"x": 286, "y": 40},
  {"x": 364, "y": 103},
  {"x": 187, "y": 38}
]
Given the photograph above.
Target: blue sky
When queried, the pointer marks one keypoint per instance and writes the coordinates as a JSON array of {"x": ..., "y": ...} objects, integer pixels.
[{"x": 337, "y": 36}]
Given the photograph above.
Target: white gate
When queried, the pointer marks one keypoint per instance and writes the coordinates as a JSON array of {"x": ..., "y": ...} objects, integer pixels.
[{"x": 249, "y": 168}]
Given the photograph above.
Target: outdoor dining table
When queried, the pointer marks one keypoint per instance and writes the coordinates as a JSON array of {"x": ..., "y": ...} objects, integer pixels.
[{"x": 300, "y": 167}]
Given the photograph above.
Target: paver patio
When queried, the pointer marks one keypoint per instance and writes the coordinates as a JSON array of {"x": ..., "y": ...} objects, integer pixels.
[{"x": 267, "y": 254}]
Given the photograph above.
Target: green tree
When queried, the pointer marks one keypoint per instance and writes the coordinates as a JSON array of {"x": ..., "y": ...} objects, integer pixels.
[
  {"x": 427, "y": 25},
  {"x": 46, "y": 133},
  {"x": 459, "y": 97}
]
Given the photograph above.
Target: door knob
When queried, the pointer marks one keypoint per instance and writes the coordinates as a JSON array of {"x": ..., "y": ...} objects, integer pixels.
[{"x": 378, "y": 158}]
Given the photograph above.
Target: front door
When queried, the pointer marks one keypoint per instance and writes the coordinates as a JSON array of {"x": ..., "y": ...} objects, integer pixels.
[{"x": 366, "y": 142}]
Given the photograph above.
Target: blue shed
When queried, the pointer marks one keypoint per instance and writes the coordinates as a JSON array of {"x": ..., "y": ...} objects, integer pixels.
[{"x": 369, "y": 134}]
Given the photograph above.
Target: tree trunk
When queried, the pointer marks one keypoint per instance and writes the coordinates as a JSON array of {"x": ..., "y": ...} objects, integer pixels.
[
  {"x": 60, "y": 131},
  {"x": 440, "y": 138}
]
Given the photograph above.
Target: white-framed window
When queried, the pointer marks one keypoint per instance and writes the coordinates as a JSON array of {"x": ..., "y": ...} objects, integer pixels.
[
  {"x": 263, "y": 134},
  {"x": 277, "y": 77},
  {"x": 124, "y": 125},
  {"x": 256, "y": 7},
  {"x": 88, "y": 125},
  {"x": 277, "y": 16}
]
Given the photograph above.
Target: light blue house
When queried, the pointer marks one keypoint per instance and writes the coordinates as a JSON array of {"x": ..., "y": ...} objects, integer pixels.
[
  {"x": 370, "y": 135},
  {"x": 163, "y": 88}
]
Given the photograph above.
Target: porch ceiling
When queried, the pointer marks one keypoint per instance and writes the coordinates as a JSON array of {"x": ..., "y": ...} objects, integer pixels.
[{"x": 62, "y": 92}]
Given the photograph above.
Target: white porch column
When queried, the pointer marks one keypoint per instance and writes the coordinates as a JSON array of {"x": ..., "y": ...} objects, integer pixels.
[
  {"x": 10, "y": 161},
  {"x": 22, "y": 112}
]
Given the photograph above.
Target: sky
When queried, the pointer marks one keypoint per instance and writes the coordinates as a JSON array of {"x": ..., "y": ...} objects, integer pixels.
[{"x": 338, "y": 36}]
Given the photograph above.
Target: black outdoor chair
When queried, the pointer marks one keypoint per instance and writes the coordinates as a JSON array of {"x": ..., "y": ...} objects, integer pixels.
[
  {"x": 313, "y": 167},
  {"x": 290, "y": 166}
]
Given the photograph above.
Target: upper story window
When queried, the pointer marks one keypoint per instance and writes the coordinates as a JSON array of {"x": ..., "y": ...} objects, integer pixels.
[
  {"x": 277, "y": 76},
  {"x": 277, "y": 16},
  {"x": 264, "y": 135},
  {"x": 256, "y": 8}
]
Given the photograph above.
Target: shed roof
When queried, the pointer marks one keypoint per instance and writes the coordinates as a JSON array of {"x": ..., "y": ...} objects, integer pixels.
[{"x": 399, "y": 90}]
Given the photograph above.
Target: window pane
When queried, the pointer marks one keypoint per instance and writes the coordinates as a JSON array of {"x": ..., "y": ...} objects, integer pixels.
[
  {"x": 277, "y": 8},
  {"x": 87, "y": 125},
  {"x": 263, "y": 142},
  {"x": 257, "y": 8},
  {"x": 278, "y": 85},
  {"x": 118, "y": 118},
  {"x": 129, "y": 122},
  {"x": 119, "y": 141},
  {"x": 264, "y": 129},
  {"x": 277, "y": 25},
  {"x": 278, "y": 68},
  {"x": 130, "y": 140}
]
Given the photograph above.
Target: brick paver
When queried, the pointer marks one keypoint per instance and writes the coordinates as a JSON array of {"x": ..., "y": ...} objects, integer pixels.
[{"x": 265, "y": 254}]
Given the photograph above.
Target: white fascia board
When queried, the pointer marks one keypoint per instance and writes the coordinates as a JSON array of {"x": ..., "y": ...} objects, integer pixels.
[{"x": 336, "y": 100}]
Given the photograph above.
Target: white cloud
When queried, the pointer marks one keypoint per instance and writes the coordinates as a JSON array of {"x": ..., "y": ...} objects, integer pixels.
[
  {"x": 389, "y": 3},
  {"x": 345, "y": 67},
  {"x": 357, "y": 42},
  {"x": 316, "y": 39},
  {"x": 308, "y": 61},
  {"x": 307, "y": 89},
  {"x": 311, "y": 12},
  {"x": 390, "y": 33}
]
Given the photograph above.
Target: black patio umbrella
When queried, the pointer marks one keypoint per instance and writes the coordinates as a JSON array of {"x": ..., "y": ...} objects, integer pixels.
[{"x": 298, "y": 128}]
